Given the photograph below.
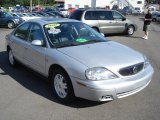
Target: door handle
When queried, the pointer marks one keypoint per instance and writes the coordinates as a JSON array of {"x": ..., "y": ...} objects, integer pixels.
[{"x": 25, "y": 48}]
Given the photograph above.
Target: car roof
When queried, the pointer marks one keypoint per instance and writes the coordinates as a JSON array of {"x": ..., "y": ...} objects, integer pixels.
[
  {"x": 45, "y": 20},
  {"x": 90, "y": 9}
]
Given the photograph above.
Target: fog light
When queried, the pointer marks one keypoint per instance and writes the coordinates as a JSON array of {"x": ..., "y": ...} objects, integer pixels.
[{"x": 106, "y": 98}]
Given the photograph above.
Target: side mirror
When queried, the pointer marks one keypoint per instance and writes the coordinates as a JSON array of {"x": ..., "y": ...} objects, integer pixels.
[
  {"x": 123, "y": 19},
  {"x": 37, "y": 42}
]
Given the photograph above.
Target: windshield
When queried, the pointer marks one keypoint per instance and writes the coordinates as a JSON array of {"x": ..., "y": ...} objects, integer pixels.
[
  {"x": 30, "y": 15},
  {"x": 20, "y": 15},
  {"x": 71, "y": 34},
  {"x": 6, "y": 14}
]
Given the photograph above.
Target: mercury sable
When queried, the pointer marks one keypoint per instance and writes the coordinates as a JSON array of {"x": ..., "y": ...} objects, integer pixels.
[{"x": 77, "y": 60}]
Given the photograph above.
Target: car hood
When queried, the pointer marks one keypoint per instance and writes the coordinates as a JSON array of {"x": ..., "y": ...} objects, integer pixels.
[
  {"x": 110, "y": 55},
  {"x": 13, "y": 17}
]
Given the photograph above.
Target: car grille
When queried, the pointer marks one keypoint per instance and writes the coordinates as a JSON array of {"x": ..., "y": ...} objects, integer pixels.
[{"x": 131, "y": 70}]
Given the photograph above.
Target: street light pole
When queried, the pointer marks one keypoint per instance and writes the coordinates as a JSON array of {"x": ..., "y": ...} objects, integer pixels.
[
  {"x": 93, "y": 3},
  {"x": 30, "y": 5}
]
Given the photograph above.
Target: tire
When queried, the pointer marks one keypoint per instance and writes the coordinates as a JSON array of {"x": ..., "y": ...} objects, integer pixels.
[
  {"x": 130, "y": 30},
  {"x": 11, "y": 59},
  {"x": 62, "y": 86},
  {"x": 154, "y": 20},
  {"x": 10, "y": 24}
]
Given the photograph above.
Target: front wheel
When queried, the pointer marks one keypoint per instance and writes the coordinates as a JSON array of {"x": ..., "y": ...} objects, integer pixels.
[
  {"x": 154, "y": 20},
  {"x": 11, "y": 24},
  {"x": 130, "y": 30},
  {"x": 62, "y": 86}
]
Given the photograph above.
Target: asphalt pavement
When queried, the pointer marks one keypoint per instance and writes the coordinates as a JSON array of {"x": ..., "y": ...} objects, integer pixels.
[{"x": 26, "y": 96}]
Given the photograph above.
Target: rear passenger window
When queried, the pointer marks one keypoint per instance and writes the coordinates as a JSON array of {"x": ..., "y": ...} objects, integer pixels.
[
  {"x": 91, "y": 15},
  {"x": 36, "y": 33},
  {"x": 77, "y": 14},
  {"x": 104, "y": 15},
  {"x": 117, "y": 16},
  {"x": 22, "y": 31}
]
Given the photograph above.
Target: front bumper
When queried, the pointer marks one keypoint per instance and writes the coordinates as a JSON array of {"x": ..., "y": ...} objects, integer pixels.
[
  {"x": 18, "y": 22},
  {"x": 112, "y": 89}
]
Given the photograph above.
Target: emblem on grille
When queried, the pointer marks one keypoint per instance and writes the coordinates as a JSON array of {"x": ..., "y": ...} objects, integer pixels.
[{"x": 135, "y": 69}]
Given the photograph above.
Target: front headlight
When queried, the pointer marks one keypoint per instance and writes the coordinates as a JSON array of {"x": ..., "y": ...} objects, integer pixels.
[
  {"x": 146, "y": 62},
  {"x": 99, "y": 73}
]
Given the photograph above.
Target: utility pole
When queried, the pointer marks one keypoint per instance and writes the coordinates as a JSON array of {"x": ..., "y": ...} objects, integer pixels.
[{"x": 93, "y": 3}]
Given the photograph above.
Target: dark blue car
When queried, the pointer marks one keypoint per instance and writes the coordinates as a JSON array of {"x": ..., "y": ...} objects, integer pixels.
[{"x": 8, "y": 20}]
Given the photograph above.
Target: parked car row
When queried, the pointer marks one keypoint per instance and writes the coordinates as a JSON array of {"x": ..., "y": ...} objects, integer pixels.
[
  {"x": 15, "y": 18},
  {"x": 103, "y": 21},
  {"x": 9, "y": 20}
]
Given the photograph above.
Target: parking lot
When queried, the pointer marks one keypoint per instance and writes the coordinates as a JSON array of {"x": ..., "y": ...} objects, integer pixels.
[{"x": 26, "y": 96}]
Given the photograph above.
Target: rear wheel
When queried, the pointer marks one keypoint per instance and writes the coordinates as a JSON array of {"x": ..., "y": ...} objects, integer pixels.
[
  {"x": 154, "y": 20},
  {"x": 11, "y": 58},
  {"x": 11, "y": 24},
  {"x": 62, "y": 86},
  {"x": 130, "y": 30}
]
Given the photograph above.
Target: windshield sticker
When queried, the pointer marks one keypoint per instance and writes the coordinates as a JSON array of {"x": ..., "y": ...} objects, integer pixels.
[
  {"x": 52, "y": 25},
  {"x": 54, "y": 31},
  {"x": 81, "y": 40}
]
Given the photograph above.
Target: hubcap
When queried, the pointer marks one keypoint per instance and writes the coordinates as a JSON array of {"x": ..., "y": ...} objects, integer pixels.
[
  {"x": 11, "y": 59},
  {"x": 130, "y": 31},
  {"x": 10, "y": 25},
  {"x": 60, "y": 86}
]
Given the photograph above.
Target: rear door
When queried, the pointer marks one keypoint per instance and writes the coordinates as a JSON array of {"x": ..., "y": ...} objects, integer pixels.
[
  {"x": 119, "y": 22},
  {"x": 91, "y": 18},
  {"x": 19, "y": 40},
  {"x": 35, "y": 55}
]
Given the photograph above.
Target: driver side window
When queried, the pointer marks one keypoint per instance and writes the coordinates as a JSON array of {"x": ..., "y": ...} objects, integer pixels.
[
  {"x": 2, "y": 14},
  {"x": 36, "y": 33}
]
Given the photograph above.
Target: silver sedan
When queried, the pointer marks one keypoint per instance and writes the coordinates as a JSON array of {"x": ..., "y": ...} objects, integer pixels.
[{"x": 78, "y": 61}]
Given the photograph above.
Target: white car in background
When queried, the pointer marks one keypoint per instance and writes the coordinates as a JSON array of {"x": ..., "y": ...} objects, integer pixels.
[
  {"x": 138, "y": 10},
  {"x": 25, "y": 18},
  {"x": 30, "y": 16}
]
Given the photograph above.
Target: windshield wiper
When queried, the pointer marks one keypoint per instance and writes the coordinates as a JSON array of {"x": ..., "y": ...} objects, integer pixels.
[
  {"x": 91, "y": 41},
  {"x": 67, "y": 45}
]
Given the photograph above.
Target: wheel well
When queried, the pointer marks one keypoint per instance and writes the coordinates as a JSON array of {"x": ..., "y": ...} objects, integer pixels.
[
  {"x": 54, "y": 67},
  {"x": 96, "y": 28},
  {"x": 154, "y": 19},
  {"x": 8, "y": 48},
  {"x": 10, "y": 21}
]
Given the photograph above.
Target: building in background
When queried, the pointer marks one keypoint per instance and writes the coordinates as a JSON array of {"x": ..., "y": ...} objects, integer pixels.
[{"x": 103, "y": 3}]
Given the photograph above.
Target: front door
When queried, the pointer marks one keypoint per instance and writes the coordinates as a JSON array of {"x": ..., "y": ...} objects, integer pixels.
[
  {"x": 35, "y": 55},
  {"x": 119, "y": 22}
]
